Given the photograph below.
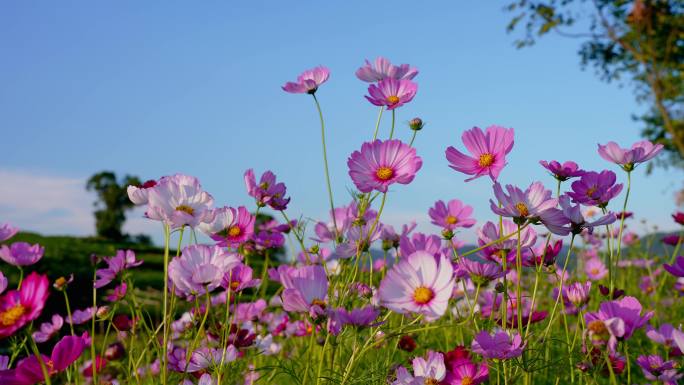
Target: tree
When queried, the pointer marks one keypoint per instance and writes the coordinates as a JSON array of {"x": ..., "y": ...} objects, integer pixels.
[
  {"x": 640, "y": 40},
  {"x": 112, "y": 204}
]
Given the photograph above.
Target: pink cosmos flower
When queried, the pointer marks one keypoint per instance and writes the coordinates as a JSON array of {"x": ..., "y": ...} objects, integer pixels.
[
  {"x": 544, "y": 254},
  {"x": 268, "y": 191},
  {"x": 119, "y": 293},
  {"x": 664, "y": 335},
  {"x": 430, "y": 244},
  {"x": 3, "y": 282},
  {"x": 578, "y": 293},
  {"x": 480, "y": 273},
  {"x": 488, "y": 150},
  {"x": 139, "y": 194},
  {"x": 595, "y": 189},
  {"x": 562, "y": 172},
  {"x": 381, "y": 163},
  {"x": 308, "y": 82},
  {"x": 230, "y": 227},
  {"x": 569, "y": 218},
  {"x": 425, "y": 371},
  {"x": 199, "y": 269},
  {"x": 392, "y": 93},
  {"x": 523, "y": 205},
  {"x": 123, "y": 260},
  {"x": 655, "y": 368},
  {"x": 616, "y": 320},
  {"x": 358, "y": 317},
  {"x": 678, "y": 217},
  {"x": 179, "y": 201},
  {"x": 595, "y": 269},
  {"x": 7, "y": 231},
  {"x": 419, "y": 283},
  {"x": 508, "y": 248},
  {"x": 306, "y": 290},
  {"x": 344, "y": 217},
  {"x": 48, "y": 329},
  {"x": 677, "y": 268},
  {"x": 452, "y": 215},
  {"x": 79, "y": 316},
  {"x": 640, "y": 152},
  {"x": 21, "y": 253},
  {"x": 382, "y": 69},
  {"x": 238, "y": 278},
  {"x": 463, "y": 371},
  {"x": 500, "y": 346},
  {"x": 19, "y": 307}
]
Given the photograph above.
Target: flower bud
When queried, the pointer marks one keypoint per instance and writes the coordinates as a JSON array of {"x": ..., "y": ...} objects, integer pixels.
[{"x": 416, "y": 124}]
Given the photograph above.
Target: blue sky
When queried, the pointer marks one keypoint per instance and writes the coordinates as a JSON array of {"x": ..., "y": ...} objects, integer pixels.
[{"x": 153, "y": 88}]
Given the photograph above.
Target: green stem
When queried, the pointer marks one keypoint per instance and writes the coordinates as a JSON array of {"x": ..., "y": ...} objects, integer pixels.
[
  {"x": 622, "y": 223},
  {"x": 68, "y": 309},
  {"x": 392, "y": 128},
  {"x": 39, "y": 357},
  {"x": 325, "y": 164},
  {"x": 377, "y": 123},
  {"x": 560, "y": 287},
  {"x": 413, "y": 138},
  {"x": 164, "y": 360},
  {"x": 92, "y": 331}
]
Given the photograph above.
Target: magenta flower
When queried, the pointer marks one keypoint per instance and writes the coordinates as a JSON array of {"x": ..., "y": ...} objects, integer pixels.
[
  {"x": 500, "y": 346},
  {"x": 306, "y": 290},
  {"x": 48, "y": 329},
  {"x": 640, "y": 152},
  {"x": 29, "y": 372},
  {"x": 392, "y": 93},
  {"x": 569, "y": 219},
  {"x": 678, "y": 218},
  {"x": 488, "y": 150},
  {"x": 359, "y": 317},
  {"x": 344, "y": 217},
  {"x": 595, "y": 269},
  {"x": 21, "y": 253},
  {"x": 463, "y": 371},
  {"x": 269, "y": 240},
  {"x": 677, "y": 268},
  {"x": 419, "y": 283},
  {"x": 3, "y": 282},
  {"x": 119, "y": 293},
  {"x": 239, "y": 278},
  {"x": 562, "y": 172},
  {"x": 664, "y": 335},
  {"x": 199, "y": 269},
  {"x": 657, "y": 369},
  {"x": 480, "y": 273},
  {"x": 308, "y": 82},
  {"x": 139, "y": 194},
  {"x": 179, "y": 201},
  {"x": 382, "y": 69},
  {"x": 544, "y": 254},
  {"x": 504, "y": 249},
  {"x": 430, "y": 244},
  {"x": 230, "y": 227},
  {"x": 268, "y": 191},
  {"x": 578, "y": 293},
  {"x": 123, "y": 260},
  {"x": 523, "y": 205},
  {"x": 672, "y": 239},
  {"x": 617, "y": 319},
  {"x": 452, "y": 215},
  {"x": 19, "y": 307},
  {"x": 595, "y": 189},
  {"x": 7, "y": 231},
  {"x": 382, "y": 163}
]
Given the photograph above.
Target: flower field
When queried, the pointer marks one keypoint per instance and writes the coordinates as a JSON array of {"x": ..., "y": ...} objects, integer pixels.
[{"x": 557, "y": 290}]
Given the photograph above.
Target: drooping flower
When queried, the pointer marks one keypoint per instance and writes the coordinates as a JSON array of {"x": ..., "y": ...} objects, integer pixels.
[
  {"x": 308, "y": 81},
  {"x": 640, "y": 152},
  {"x": 178, "y": 201},
  {"x": 21, "y": 253},
  {"x": 451, "y": 215},
  {"x": 595, "y": 269},
  {"x": 382, "y": 69},
  {"x": 7, "y": 231},
  {"x": 419, "y": 283},
  {"x": 199, "y": 269},
  {"x": 381, "y": 163},
  {"x": 19, "y": 307},
  {"x": 139, "y": 194},
  {"x": 544, "y": 254},
  {"x": 48, "y": 329},
  {"x": 392, "y": 93},
  {"x": 530, "y": 204},
  {"x": 268, "y": 191},
  {"x": 677, "y": 268},
  {"x": 238, "y": 278},
  {"x": 230, "y": 227},
  {"x": 501, "y": 345},
  {"x": 595, "y": 189},
  {"x": 306, "y": 290},
  {"x": 123, "y": 260},
  {"x": 657, "y": 369},
  {"x": 619, "y": 319},
  {"x": 569, "y": 218},
  {"x": 488, "y": 150},
  {"x": 562, "y": 172}
]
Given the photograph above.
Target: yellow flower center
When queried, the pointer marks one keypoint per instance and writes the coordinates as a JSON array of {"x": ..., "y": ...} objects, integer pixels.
[
  {"x": 384, "y": 173},
  {"x": 598, "y": 327},
  {"x": 234, "y": 231},
  {"x": 393, "y": 99},
  {"x": 319, "y": 302},
  {"x": 486, "y": 160},
  {"x": 234, "y": 285},
  {"x": 61, "y": 281},
  {"x": 450, "y": 219},
  {"x": 522, "y": 209},
  {"x": 594, "y": 271},
  {"x": 431, "y": 381},
  {"x": 591, "y": 191},
  {"x": 423, "y": 295},
  {"x": 467, "y": 380},
  {"x": 185, "y": 209},
  {"x": 264, "y": 186},
  {"x": 10, "y": 316}
]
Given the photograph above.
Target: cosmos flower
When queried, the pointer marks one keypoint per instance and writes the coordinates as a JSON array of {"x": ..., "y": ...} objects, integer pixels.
[
  {"x": 392, "y": 93},
  {"x": 382, "y": 69},
  {"x": 380, "y": 164},
  {"x": 595, "y": 189},
  {"x": 655, "y": 368},
  {"x": 451, "y": 215},
  {"x": 488, "y": 150},
  {"x": 238, "y": 278},
  {"x": 308, "y": 81},
  {"x": 678, "y": 218},
  {"x": 268, "y": 191},
  {"x": 640, "y": 152},
  {"x": 199, "y": 269},
  {"x": 19, "y": 307},
  {"x": 3, "y": 282},
  {"x": 578, "y": 293},
  {"x": 343, "y": 218},
  {"x": 48, "y": 329},
  {"x": 419, "y": 283},
  {"x": 21, "y": 253},
  {"x": 358, "y": 317},
  {"x": 123, "y": 260},
  {"x": 522, "y": 205},
  {"x": 504, "y": 249},
  {"x": 501, "y": 345},
  {"x": 480, "y": 273},
  {"x": 544, "y": 254},
  {"x": 139, "y": 194},
  {"x": 179, "y": 201},
  {"x": 79, "y": 316},
  {"x": 569, "y": 218},
  {"x": 430, "y": 244},
  {"x": 617, "y": 320},
  {"x": 7, "y": 231},
  {"x": 562, "y": 172},
  {"x": 306, "y": 290},
  {"x": 463, "y": 371},
  {"x": 663, "y": 335},
  {"x": 230, "y": 227},
  {"x": 29, "y": 372},
  {"x": 425, "y": 371},
  {"x": 595, "y": 269},
  {"x": 119, "y": 293},
  {"x": 677, "y": 268}
]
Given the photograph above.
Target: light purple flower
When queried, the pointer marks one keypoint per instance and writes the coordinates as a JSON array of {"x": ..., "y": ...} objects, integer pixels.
[
  {"x": 562, "y": 172},
  {"x": 677, "y": 268},
  {"x": 382, "y": 69},
  {"x": 124, "y": 259},
  {"x": 500, "y": 346},
  {"x": 268, "y": 191},
  {"x": 664, "y": 335},
  {"x": 306, "y": 290},
  {"x": 488, "y": 150},
  {"x": 3, "y": 282},
  {"x": 309, "y": 81},
  {"x": 82, "y": 316},
  {"x": 595, "y": 189},
  {"x": 451, "y": 215},
  {"x": 569, "y": 219},
  {"x": 119, "y": 293},
  {"x": 522, "y": 205},
  {"x": 357, "y": 317},
  {"x": 578, "y": 293},
  {"x": 230, "y": 227},
  {"x": 392, "y": 93},
  {"x": 178, "y": 201},
  {"x": 199, "y": 269},
  {"x": 430, "y": 244},
  {"x": 21, "y": 253},
  {"x": 657, "y": 369},
  {"x": 640, "y": 152},
  {"x": 381, "y": 163},
  {"x": 619, "y": 318},
  {"x": 238, "y": 278},
  {"x": 595, "y": 269},
  {"x": 480, "y": 273},
  {"x": 48, "y": 329},
  {"x": 508, "y": 248},
  {"x": 7, "y": 231}
]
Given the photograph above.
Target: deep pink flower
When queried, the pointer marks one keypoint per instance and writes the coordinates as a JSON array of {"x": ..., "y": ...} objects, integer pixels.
[
  {"x": 124, "y": 259},
  {"x": 595, "y": 189},
  {"x": 19, "y": 307},
  {"x": 677, "y": 268},
  {"x": 678, "y": 217},
  {"x": 488, "y": 150},
  {"x": 617, "y": 319},
  {"x": 119, "y": 293},
  {"x": 501, "y": 345},
  {"x": 463, "y": 371},
  {"x": 306, "y": 290},
  {"x": 419, "y": 283},
  {"x": 562, "y": 172},
  {"x": 451, "y": 215},
  {"x": 381, "y": 163},
  {"x": 382, "y": 69},
  {"x": 29, "y": 372},
  {"x": 522, "y": 205},
  {"x": 139, "y": 194},
  {"x": 7, "y": 231},
  {"x": 657, "y": 369},
  {"x": 178, "y": 201},
  {"x": 21, "y": 253},
  {"x": 544, "y": 254},
  {"x": 268, "y": 191},
  {"x": 199, "y": 269},
  {"x": 239, "y": 278},
  {"x": 230, "y": 227},
  {"x": 672, "y": 239},
  {"x": 308, "y": 82},
  {"x": 392, "y": 93},
  {"x": 640, "y": 152}
]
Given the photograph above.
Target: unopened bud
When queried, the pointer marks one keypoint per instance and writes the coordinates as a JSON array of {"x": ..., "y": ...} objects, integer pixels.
[{"x": 416, "y": 124}]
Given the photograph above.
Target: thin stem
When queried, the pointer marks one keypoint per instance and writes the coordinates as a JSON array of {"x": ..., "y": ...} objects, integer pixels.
[
  {"x": 377, "y": 123},
  {"x": 413, "y": 138},
  {"x": 392, "y": 128},
  {"x": 325, "y": 164},
  {"x": 622, "y": 223},
  {"x": 92, "y": 331},
  {"x": 68, "y": 309},
  {"x": 39, "y": 357},
  {"x": 164, "y": 360}
]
